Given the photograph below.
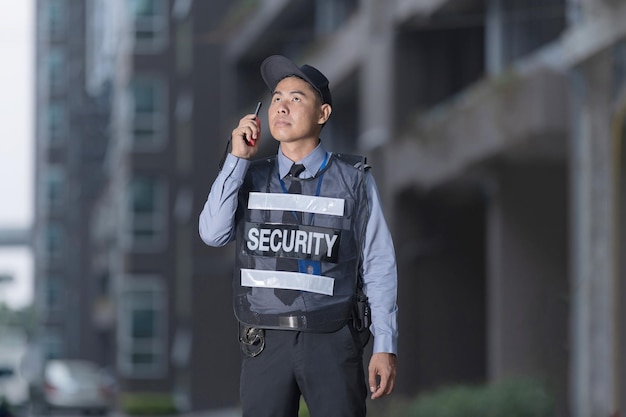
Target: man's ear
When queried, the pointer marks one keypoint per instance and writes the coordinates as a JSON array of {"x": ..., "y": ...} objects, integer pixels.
[{"x": 325, "y": 112}]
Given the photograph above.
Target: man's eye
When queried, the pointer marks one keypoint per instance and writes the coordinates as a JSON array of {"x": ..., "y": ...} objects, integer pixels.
[{"x": 296, "y": 99}]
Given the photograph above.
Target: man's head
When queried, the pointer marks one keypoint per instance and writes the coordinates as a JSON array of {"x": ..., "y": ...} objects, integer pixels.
[
  {"x": 301, "y": 100},
  {"x": 277, "y": 67}
]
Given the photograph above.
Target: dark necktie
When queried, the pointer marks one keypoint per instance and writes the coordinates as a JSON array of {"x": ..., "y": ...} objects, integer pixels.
[
  {"x": 294, "y": 188},
  {"x": 285, "y": 264},
  {"x": 294, "y": 172}
]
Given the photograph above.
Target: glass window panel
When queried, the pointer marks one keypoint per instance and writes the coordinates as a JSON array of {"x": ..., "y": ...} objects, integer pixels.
[
  {"x": 150, "y": 18},
  {"x": 143, "y": 298},
  {"x": 145, "y": 35},
  {"x": 54, "y": 191},
  {"x": 146, "y": 212},
  {"x": 56, "y": 122},
  {"x": 145, "y": 96},
  {"x": 144, "y": 196},
  {"x": 143, "y": 339},
  {"x": 52, "y": 345},
  {"x": 143, "y": 136},
  {"x": 144, "y": 233},
  {"x": 54, "y": 241},
  {"x": 143, "y": 324},
  {"x": 56, "y": 67},
  {"x": 55, "y": 185},
  {"x": 53, "y": 292},
  {"x": 144, "y": 358},
  {"x": 56, "y": 17},
  {"x": 143, "y": 8},
  {"x": 150, "y": 116}
]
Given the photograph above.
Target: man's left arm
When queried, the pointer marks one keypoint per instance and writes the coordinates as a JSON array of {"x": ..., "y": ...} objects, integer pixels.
[{"x": 380, "y": 279}]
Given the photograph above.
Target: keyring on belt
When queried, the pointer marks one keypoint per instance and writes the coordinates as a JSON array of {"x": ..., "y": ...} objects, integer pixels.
[{"x": 252, "y": 340}]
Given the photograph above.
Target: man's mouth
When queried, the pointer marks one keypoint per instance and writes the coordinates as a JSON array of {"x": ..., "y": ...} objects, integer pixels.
[{"x": 281, "y": 122}]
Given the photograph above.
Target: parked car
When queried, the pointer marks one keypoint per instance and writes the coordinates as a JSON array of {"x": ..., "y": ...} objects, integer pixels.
[
  {"x": 14, "y": 391},
  {"x": 13, "y": 388},
  {"x": 75, "y": 385}
]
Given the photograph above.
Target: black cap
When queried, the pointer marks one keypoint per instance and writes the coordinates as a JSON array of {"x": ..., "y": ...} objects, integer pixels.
[{"x": 277, "y": 67}]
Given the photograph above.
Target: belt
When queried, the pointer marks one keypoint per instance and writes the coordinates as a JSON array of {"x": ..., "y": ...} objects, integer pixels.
[
  {"x": 321, "y": 321},
  {"x": 292, "y": 322},
  {"x": 318, "y": 321}
]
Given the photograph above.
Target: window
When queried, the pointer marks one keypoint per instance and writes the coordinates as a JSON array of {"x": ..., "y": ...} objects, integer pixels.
[
  {"x": 57, "y": 123},
  {"x": 56, "y": 69},
  {"x": 54, "y": 293},
  {"x": 54, "y": 242},
  {"x": 56, "y": 18},
  {"x": 150, "y": 113},
  {"x": 146, "y": 196},
  {"x": 517, "y": 28},
  {"x": 55, "y": 184},
  {"x": 142, "y": 327},
  {"x": 52, "y": 343},
  {"x": 150, "y": 18}
]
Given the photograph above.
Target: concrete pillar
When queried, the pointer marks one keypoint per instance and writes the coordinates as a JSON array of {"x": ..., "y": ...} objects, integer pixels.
[
  {"x": 620, "y": 153},
  {"x": 376, "y": 104},
  {"x": 494, "y": 38},
  {"x": 376, "y": 77},
  {"x": 594, "y": 354}
]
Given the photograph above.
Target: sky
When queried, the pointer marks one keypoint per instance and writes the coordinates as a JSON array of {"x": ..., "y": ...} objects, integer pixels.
[{"x": 16, "y": 144}]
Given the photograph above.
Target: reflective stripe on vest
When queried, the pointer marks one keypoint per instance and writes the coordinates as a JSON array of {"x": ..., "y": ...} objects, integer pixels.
[
  {"x": 296, "y": 202},
  {"x": 287, "y": 280}
]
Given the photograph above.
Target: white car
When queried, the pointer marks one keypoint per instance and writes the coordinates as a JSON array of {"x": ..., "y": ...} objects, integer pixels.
[
  {"x": 13, "y": 388},
  {"x": 72, "y": 385}
]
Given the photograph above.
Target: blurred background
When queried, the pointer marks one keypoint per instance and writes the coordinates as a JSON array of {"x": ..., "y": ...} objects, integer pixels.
[{"x": 495, "y": 129}]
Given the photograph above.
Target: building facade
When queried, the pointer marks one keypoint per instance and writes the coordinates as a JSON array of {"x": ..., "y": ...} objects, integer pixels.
[
  {"x": 70, "y": 142},
  {"x": 126, "y": 98},
  {"x": 494, "y": 129}
]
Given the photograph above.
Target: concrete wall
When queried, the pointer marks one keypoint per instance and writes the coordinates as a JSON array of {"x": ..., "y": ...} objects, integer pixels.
[
  {"x": 528, "y": 302},
  {"x": 440, "y": 245}
]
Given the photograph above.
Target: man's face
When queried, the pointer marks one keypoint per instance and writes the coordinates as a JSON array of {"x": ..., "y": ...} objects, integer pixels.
[{"x": 296, "y": 111}]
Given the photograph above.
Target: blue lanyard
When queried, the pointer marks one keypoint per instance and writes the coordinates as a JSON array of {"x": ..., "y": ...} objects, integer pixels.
[{"x": 317, "y": 191}]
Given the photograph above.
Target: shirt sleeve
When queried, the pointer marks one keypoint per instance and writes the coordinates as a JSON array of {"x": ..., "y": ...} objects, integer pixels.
[
  {"x": 380, "y": 276},
  {"x": 217, "y": 219}
]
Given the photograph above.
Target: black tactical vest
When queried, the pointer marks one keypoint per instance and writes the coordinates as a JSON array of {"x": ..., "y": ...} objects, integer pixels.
[{"x": 330, "y": 239}]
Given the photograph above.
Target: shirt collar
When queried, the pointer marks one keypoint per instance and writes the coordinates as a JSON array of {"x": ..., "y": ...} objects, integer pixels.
[{"x": 312, "y": 162}]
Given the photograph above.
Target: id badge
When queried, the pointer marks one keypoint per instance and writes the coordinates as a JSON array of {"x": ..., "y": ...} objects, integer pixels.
[{"x": 306, "y": 266}]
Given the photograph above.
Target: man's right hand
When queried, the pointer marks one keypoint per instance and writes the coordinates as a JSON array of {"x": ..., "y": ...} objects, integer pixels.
[{"x": 245, "y": 137}]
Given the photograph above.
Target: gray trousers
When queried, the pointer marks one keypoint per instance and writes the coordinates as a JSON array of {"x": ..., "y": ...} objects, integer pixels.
[{"x": 325, "y": 368}]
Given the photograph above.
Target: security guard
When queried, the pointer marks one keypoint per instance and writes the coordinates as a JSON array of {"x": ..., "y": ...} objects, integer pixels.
[{"x": 312, "y": 244}]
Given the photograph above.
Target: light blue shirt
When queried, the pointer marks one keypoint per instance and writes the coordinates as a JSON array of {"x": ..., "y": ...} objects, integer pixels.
[{"x": 380, "y": 277}]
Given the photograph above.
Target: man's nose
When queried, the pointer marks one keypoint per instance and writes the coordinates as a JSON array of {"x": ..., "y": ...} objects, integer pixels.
[{"x": 281, "y": 108}]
